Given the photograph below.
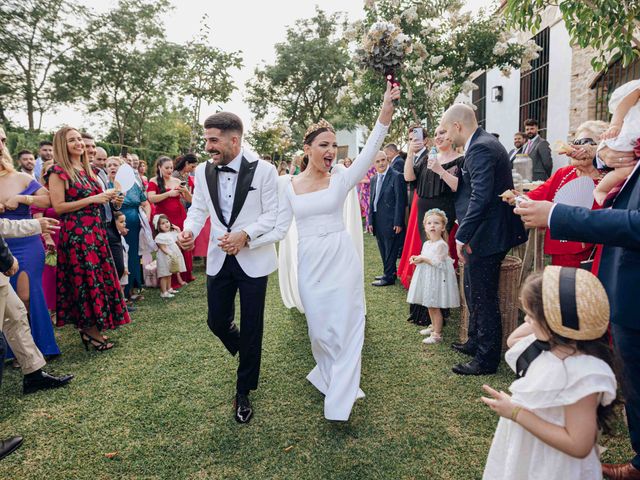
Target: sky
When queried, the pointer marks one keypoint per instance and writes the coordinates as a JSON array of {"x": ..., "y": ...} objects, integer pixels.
[{"x": 251, "y": 26}]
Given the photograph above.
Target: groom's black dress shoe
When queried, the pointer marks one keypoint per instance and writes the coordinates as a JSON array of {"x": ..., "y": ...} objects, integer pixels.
[
  {"x": 379, "y": 277},
  {"x": 242, "y": 409},
  {"x": 9, "y": 445},
  {"x": 382, "y": 283},
  {"x": 41, "y": 380},
  {"x": 471, "y": 368},
  {"x": 463, "y": 348}
]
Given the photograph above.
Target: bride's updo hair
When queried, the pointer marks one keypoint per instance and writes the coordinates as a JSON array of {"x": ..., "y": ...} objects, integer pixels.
[{"x": 316, "y": 129}]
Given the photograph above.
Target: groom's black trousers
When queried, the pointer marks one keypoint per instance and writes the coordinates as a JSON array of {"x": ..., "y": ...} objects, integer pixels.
[{"x": 221, "y": 294}]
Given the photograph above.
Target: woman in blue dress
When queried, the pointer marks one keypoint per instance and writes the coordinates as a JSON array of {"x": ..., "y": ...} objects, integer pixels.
[
  {"x": 134, "y": 199},
  {"x": 19, "y": 192}
]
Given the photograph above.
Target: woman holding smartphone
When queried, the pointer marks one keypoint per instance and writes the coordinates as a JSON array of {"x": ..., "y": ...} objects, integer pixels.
[{"x": 166, "y": 192}]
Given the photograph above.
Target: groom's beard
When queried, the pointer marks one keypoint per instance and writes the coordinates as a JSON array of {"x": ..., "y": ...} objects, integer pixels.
[{"x": 224, "y": 158}]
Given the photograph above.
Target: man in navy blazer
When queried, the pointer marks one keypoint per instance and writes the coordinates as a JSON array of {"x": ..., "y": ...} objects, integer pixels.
[
  {"x": 395, "y": 160},
  {"x": 386, "y": 216},
  {"x": 488, "y": 230},
  {"x": 618, "y": 229}
]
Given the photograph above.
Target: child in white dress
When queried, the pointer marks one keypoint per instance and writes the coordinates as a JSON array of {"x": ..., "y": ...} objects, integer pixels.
[
  {"x": 622, "y": 135},
  {"x": 169, "y": 258},
  {"x": 565, "y": 390},
  {"x": 434, "y": 284}
]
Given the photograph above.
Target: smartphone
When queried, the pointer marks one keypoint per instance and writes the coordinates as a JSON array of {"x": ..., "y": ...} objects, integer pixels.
[
  {"x": 124, "y": 151},
  {"x": 417, "y": 134}
]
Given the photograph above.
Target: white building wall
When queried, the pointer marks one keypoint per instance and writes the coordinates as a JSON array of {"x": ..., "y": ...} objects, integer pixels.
[
  {"x": 354, "y": 139},
  {"x": 503, "y": 117},
  {"x": 559, "y": 109}
]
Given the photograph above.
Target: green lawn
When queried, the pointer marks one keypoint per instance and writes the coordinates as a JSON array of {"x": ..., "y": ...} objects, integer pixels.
[{"x": 162, "y": 400}]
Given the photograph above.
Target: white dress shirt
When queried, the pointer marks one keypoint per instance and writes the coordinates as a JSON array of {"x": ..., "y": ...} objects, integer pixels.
[
  {"x": 379, "y": 182},
  {"x": 227, "y": 182}
]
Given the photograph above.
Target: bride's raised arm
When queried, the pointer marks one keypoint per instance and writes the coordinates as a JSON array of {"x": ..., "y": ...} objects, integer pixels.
[{"x": 363, "y": 161}]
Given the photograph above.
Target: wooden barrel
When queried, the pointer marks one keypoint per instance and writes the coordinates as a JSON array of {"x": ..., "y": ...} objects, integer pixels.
[{"x": 508, "y": 291}]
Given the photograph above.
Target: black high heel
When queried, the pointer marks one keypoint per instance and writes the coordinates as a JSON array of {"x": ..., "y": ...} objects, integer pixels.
[{"x": 98, "y": 345}]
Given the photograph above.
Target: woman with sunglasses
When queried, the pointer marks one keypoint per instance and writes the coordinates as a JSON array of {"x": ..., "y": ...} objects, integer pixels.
[{"x": 558, "y": 189}]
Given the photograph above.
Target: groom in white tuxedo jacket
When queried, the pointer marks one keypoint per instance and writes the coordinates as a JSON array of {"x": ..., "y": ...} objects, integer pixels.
[{"x": 239, "y": 193}]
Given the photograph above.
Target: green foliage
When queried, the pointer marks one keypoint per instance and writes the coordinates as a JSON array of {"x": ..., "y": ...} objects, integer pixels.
[
  {"x": 300, "y": 87},
  {"x": 162, "y": 401},
  {"x": 24, "y": 139},
  {"x": 205, "y": 76},
  {"x": 448, "y": 47},
  {"x": 274, "y": 140},
  {"x": 610, "y": 27},
  {"x": 35, "y": 36}
]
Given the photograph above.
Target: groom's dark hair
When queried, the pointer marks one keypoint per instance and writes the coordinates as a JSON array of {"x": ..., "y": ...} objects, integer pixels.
[{"x": 225, "y": 121}]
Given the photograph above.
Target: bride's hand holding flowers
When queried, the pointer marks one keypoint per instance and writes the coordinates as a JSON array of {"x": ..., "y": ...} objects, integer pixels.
[{"x": 392, "y": 93}]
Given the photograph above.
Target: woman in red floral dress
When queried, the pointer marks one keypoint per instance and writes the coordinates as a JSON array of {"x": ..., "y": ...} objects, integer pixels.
[{"x": 88, "y": 289}]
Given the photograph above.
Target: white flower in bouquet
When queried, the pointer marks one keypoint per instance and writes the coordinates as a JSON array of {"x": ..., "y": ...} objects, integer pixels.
[{"x": 383, "y": 48}]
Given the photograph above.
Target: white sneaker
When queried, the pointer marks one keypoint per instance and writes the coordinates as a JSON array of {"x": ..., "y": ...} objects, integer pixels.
[
  {"x": 433, "y": 339},
  {"x": 172, "y": 291},
  {"x": 166, "y": 294},
  {"x": 426, "y": 331}
]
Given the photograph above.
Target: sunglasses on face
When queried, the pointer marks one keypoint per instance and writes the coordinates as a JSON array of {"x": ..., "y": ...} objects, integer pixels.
[{"x": 585, "y": 141}]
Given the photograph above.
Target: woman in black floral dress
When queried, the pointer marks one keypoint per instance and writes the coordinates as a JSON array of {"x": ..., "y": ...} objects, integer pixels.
[{"x": 88, "y": 289}]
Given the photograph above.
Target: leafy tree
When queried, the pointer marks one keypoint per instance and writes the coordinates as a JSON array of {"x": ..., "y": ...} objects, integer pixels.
[
  {"x": 300, "y": 87},
  {"x": 126, "y": 67},
  {"x": 448, "y": 47},
  {"x": 35, "y": 35},
  {"x": 609, "y": 27},
  {"x": 205, "y": 77},
  {"x": 271, "y": 139}
]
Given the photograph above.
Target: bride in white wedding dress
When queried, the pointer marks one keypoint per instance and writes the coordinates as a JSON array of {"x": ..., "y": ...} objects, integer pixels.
[
  {"x": 288, "y": 247},
  {"x": 330, "y": 275}
]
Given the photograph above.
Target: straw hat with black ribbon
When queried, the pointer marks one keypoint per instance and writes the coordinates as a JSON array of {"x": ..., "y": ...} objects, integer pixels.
[
  {"x": 576, "y": 307},
  {"x": 575, "y": 303}
]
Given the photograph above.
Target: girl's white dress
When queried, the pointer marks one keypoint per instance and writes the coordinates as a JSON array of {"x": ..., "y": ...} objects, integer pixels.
[
  {"x": 435, "y": 286},
  {"x": 124, "y": 279},
  {"x": 330, "y": 279},
  {"x": 630, "y": 130},
  {"x": 549, "y": 385},
  {"x": 163, "y": 260}
]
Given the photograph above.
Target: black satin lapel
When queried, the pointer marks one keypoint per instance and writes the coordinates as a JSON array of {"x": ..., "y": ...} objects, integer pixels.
[
  {"x": 245, "y": 177},
  {"x": 212, "y": 182}
]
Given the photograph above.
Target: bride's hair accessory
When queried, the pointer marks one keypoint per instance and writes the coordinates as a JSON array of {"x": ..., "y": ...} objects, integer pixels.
[{"x": 322, "y": 124}]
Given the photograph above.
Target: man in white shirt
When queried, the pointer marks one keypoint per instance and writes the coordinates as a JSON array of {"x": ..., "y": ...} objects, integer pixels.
[{"x": 238, "y": 192}]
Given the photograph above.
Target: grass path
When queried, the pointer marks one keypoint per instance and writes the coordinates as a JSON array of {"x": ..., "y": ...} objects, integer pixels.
[{"x": 162, "y": 400}]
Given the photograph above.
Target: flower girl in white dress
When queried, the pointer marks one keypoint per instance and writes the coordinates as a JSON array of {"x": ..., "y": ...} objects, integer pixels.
[
  {"x": 434, "y": 284},
  {"x": 563, "y": 396}
]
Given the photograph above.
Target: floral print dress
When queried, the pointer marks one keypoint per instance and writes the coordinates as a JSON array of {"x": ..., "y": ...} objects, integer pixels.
[{"x": 88, "y": 289}]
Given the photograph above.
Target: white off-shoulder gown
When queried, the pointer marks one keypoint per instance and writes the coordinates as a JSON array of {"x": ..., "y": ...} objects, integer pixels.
[{"x": 330, "y": 279}]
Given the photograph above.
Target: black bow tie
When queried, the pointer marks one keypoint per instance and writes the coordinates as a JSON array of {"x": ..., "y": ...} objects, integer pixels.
[{"x": 224, "y": 168}]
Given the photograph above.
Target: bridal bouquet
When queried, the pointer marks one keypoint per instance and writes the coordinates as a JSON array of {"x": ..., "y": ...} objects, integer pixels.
[{"x": 384, "y": 48}]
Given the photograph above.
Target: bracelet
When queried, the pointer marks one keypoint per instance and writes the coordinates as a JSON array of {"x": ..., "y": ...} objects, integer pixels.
[
  {"x": 514, "y": 413},
  {"x": 28, "y": 200}
]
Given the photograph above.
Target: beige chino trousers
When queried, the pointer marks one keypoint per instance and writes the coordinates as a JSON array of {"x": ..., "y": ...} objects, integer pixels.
[{"x": 14, "y": 323}]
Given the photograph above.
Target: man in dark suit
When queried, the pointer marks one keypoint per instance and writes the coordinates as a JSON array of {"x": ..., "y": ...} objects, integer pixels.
[
  {"x": 538, "y": 149},
  {"x": 488, "y": 230},
  {"x": 618, "y": 229},
  {"x": 386, "y": 216},
  {"x": 519, "y": 139},
  {"x": 396, "y": 162}
]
